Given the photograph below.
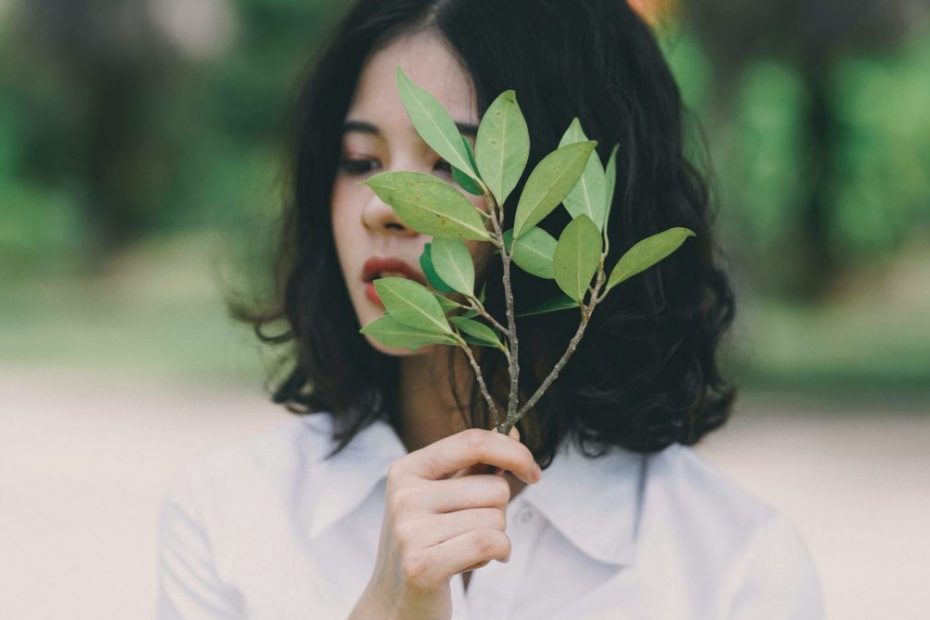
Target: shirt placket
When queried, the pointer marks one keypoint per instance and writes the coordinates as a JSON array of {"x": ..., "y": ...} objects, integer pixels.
[{"x": 492, "y": 589}]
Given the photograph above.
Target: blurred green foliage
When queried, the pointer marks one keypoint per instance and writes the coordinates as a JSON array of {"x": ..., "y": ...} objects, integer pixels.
[
  {"x": 880, "y": 189},
  {"x": 217, "y": 129},
  {"x": 213, "y": 133},
  {"x": 207, "y": 150},
  {"x": 886, "y": 154}
]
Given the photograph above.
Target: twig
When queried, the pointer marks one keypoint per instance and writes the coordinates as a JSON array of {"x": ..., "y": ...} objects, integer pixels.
[
  {"x": 479, "y": 308},
  {"x": 512, "y": 340},
  {"x": 495, "y": 415},
  {"x": 586, "y": 311}
]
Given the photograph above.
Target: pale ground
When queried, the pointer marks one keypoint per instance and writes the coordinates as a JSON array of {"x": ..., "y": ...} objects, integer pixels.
[{"x": 84, "y": 461}]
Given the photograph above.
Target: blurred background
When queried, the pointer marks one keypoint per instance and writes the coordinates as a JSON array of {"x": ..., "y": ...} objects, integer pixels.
[{"x": 140, "y": 177}]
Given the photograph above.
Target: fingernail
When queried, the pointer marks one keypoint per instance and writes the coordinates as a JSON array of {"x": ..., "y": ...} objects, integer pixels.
[{"x": 537, "y": 473}]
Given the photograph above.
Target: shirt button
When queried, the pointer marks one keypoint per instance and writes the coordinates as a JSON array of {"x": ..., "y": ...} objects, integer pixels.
[{"x": 525, "y": 515}]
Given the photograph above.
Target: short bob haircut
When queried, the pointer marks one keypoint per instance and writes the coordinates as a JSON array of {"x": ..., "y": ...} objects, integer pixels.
[{"x": 645, "y": 375}]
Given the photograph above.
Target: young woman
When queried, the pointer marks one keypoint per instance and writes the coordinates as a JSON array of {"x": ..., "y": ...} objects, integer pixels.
[{"x": 379, "y": 501}]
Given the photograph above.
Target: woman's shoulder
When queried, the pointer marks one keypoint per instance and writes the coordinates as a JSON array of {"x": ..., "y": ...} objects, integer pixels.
[
  {"x": 696, "y": 516},
  {"x": 229, "y": 516},
  {"x": 681, "y": 475},
  {"x": 263, "y": 463},
  {"x": 683, "y": 486},
  {"x": 293, "y": 439}
]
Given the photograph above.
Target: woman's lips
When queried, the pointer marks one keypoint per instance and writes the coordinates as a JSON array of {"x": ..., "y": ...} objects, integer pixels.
[
  {"x": 372, "y": 294},
  {"x": 381, "y": 266}
]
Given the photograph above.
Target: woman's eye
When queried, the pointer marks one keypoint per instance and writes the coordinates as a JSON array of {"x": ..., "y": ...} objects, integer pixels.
[
  {"x": 357, "y": 166},
  {"x": 362, "y": 166}
]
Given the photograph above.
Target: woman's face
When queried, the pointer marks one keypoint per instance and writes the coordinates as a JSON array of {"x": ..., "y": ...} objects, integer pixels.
[{"x": 378, "y": 136}]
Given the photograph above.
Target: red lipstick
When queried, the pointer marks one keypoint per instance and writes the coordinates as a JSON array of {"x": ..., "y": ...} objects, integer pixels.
[{"x": 379, "y": 266}]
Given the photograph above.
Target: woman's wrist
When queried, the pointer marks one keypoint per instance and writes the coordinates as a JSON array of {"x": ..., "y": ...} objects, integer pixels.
[{"x": 372, "y": 607}]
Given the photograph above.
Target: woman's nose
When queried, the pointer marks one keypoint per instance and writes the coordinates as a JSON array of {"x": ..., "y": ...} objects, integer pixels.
[{"x": 378, "y": 216}]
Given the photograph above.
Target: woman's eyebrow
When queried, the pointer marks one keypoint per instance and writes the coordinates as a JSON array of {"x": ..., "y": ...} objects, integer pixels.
[{"x": 366, "y": 127}]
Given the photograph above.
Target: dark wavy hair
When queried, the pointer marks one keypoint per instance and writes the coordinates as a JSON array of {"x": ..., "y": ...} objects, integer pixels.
[{"x": 645, "y": 375}]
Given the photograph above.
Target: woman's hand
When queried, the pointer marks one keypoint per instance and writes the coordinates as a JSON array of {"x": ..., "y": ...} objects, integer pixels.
[{"x": 440, "y": 521}]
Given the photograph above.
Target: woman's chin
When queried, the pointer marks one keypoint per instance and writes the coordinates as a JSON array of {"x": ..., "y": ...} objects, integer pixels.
[{"x": 397, "y": 351}]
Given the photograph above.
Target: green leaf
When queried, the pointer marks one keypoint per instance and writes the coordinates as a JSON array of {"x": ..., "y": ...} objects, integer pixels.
[
  {"x": 646, "y": 253},
  {"x": 453, "y": 263},
  {"x": 476, "y": 332},
  {"x": 471, "y": 153},
  {"x": 574, "y": 133},
  {"x": 426, "y": 263},
  {"x": 503, "y": 145},
  {"x": 433, "y": 123},
  {"x": 577, "y": 256},
  {"x": 447, "y": 304},
  {"x": 412, "y": 304},
  {"x": 465, "y": 181},
  {"x": 533, "y": 251},
  {"x": 587, "y": 196},
  {"x": 429, "y": 205},
  {"x": 549, "y": 183},
  {"x": 610, "y": 182},
  {"x": 389, "y": 331},
  {"x": 562, "y": 302}
]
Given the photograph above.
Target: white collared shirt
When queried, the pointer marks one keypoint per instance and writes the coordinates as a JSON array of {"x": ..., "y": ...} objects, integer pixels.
[{"x": 268, "y": 530}]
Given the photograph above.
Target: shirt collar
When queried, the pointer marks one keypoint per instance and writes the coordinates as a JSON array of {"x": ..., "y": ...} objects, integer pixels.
[
  {"x": 592, "y": 502},
  {"x": 349, "y": 476}
]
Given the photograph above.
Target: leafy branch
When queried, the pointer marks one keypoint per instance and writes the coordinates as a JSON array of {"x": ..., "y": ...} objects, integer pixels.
[{"x": 572, "y": 176}]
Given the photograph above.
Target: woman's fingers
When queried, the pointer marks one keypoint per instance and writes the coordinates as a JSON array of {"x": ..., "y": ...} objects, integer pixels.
[
  {"x": 470, "y": 447},
  {"x": 477, "y": 566},
  {"x": 458, "y": 554},
  {"x": 434, "y": 529},
  {"x": 437, "y": 524},
  {"x": 438, "y": 496},
  {"x": 497, "y": 471},
  {"x": 477, "y": 491}
]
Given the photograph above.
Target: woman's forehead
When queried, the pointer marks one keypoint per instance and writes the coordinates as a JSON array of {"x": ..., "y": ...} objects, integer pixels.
[{"x": 428, "y": 62}]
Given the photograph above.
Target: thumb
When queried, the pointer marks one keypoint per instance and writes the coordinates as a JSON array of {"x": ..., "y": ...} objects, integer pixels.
[
  {"x": 490, "y": 469},
  {"x": 514, "y": 434}
]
